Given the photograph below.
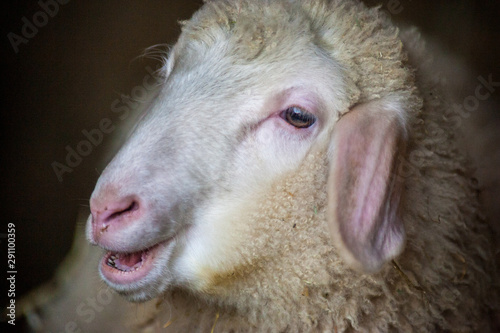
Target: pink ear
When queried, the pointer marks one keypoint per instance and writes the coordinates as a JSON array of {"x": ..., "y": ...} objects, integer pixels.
[{"x": 364, "y": 192}]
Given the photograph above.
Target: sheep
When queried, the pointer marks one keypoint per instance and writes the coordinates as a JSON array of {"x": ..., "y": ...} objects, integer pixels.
[{"x": 298, "y": 171}]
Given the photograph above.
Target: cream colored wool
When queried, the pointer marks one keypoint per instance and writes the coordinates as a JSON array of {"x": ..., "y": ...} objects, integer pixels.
[
  {"x": 285, "y": 273},
  {"x": 292, "y": 279}
]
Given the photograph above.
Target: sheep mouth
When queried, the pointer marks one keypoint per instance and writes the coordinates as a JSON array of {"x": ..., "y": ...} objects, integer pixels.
[
  {"x": 124, "y": 268},
  {"x": 126, "y": 262}
]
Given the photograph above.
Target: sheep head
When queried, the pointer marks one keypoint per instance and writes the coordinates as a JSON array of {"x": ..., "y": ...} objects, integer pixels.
[{"x": 252, "y": 99}]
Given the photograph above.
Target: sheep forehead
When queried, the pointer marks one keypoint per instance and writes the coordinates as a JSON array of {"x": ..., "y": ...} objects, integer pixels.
[
  {"x": 243, "y": 41},
  {"x": 255, "y": 29},
  {"x": 213, "y": 82},
  {"x": 266, "y": 31}
]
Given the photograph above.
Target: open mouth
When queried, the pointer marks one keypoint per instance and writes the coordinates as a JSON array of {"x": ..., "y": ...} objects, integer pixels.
[
  {"x": 127, "y": 262},
  {"x": 126, "y": 268}
]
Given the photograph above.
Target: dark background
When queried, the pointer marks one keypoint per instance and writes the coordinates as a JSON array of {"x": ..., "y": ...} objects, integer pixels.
[{"x": 65, "y": 79}]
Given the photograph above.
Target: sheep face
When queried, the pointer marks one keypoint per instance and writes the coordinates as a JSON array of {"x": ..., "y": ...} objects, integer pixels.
[
  {"x": 173, "y": 198},
  {"x": 240, "y": 110}
]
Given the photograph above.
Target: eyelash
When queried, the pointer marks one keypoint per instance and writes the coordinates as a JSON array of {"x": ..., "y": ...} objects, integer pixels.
[{"x": 298, "y": 117}]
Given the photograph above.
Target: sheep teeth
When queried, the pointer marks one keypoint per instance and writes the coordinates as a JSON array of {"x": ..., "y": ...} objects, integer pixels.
[{"x": 111, "y": 261}]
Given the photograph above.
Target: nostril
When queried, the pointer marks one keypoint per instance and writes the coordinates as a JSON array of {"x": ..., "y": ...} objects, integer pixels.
[
  {"x": 113, "y": 211},
  {"x": 132, "y": 207}
]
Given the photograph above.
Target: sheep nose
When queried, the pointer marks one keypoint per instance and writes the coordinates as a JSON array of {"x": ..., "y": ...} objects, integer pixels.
[{"x": 108, "y": 212}]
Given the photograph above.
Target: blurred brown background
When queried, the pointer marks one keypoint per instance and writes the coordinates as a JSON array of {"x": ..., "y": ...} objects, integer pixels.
[{"x": 66, "y": 77}]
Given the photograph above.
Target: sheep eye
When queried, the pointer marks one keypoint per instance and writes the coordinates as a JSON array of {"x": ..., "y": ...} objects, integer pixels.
[{"x": 297, "y": 117}]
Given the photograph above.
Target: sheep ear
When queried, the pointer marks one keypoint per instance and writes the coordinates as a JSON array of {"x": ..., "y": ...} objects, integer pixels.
[{"x": 363, "y": 189}]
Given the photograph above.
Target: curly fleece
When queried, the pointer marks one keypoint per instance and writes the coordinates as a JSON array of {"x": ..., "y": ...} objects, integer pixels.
[{"x": 291, "y": 278}]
